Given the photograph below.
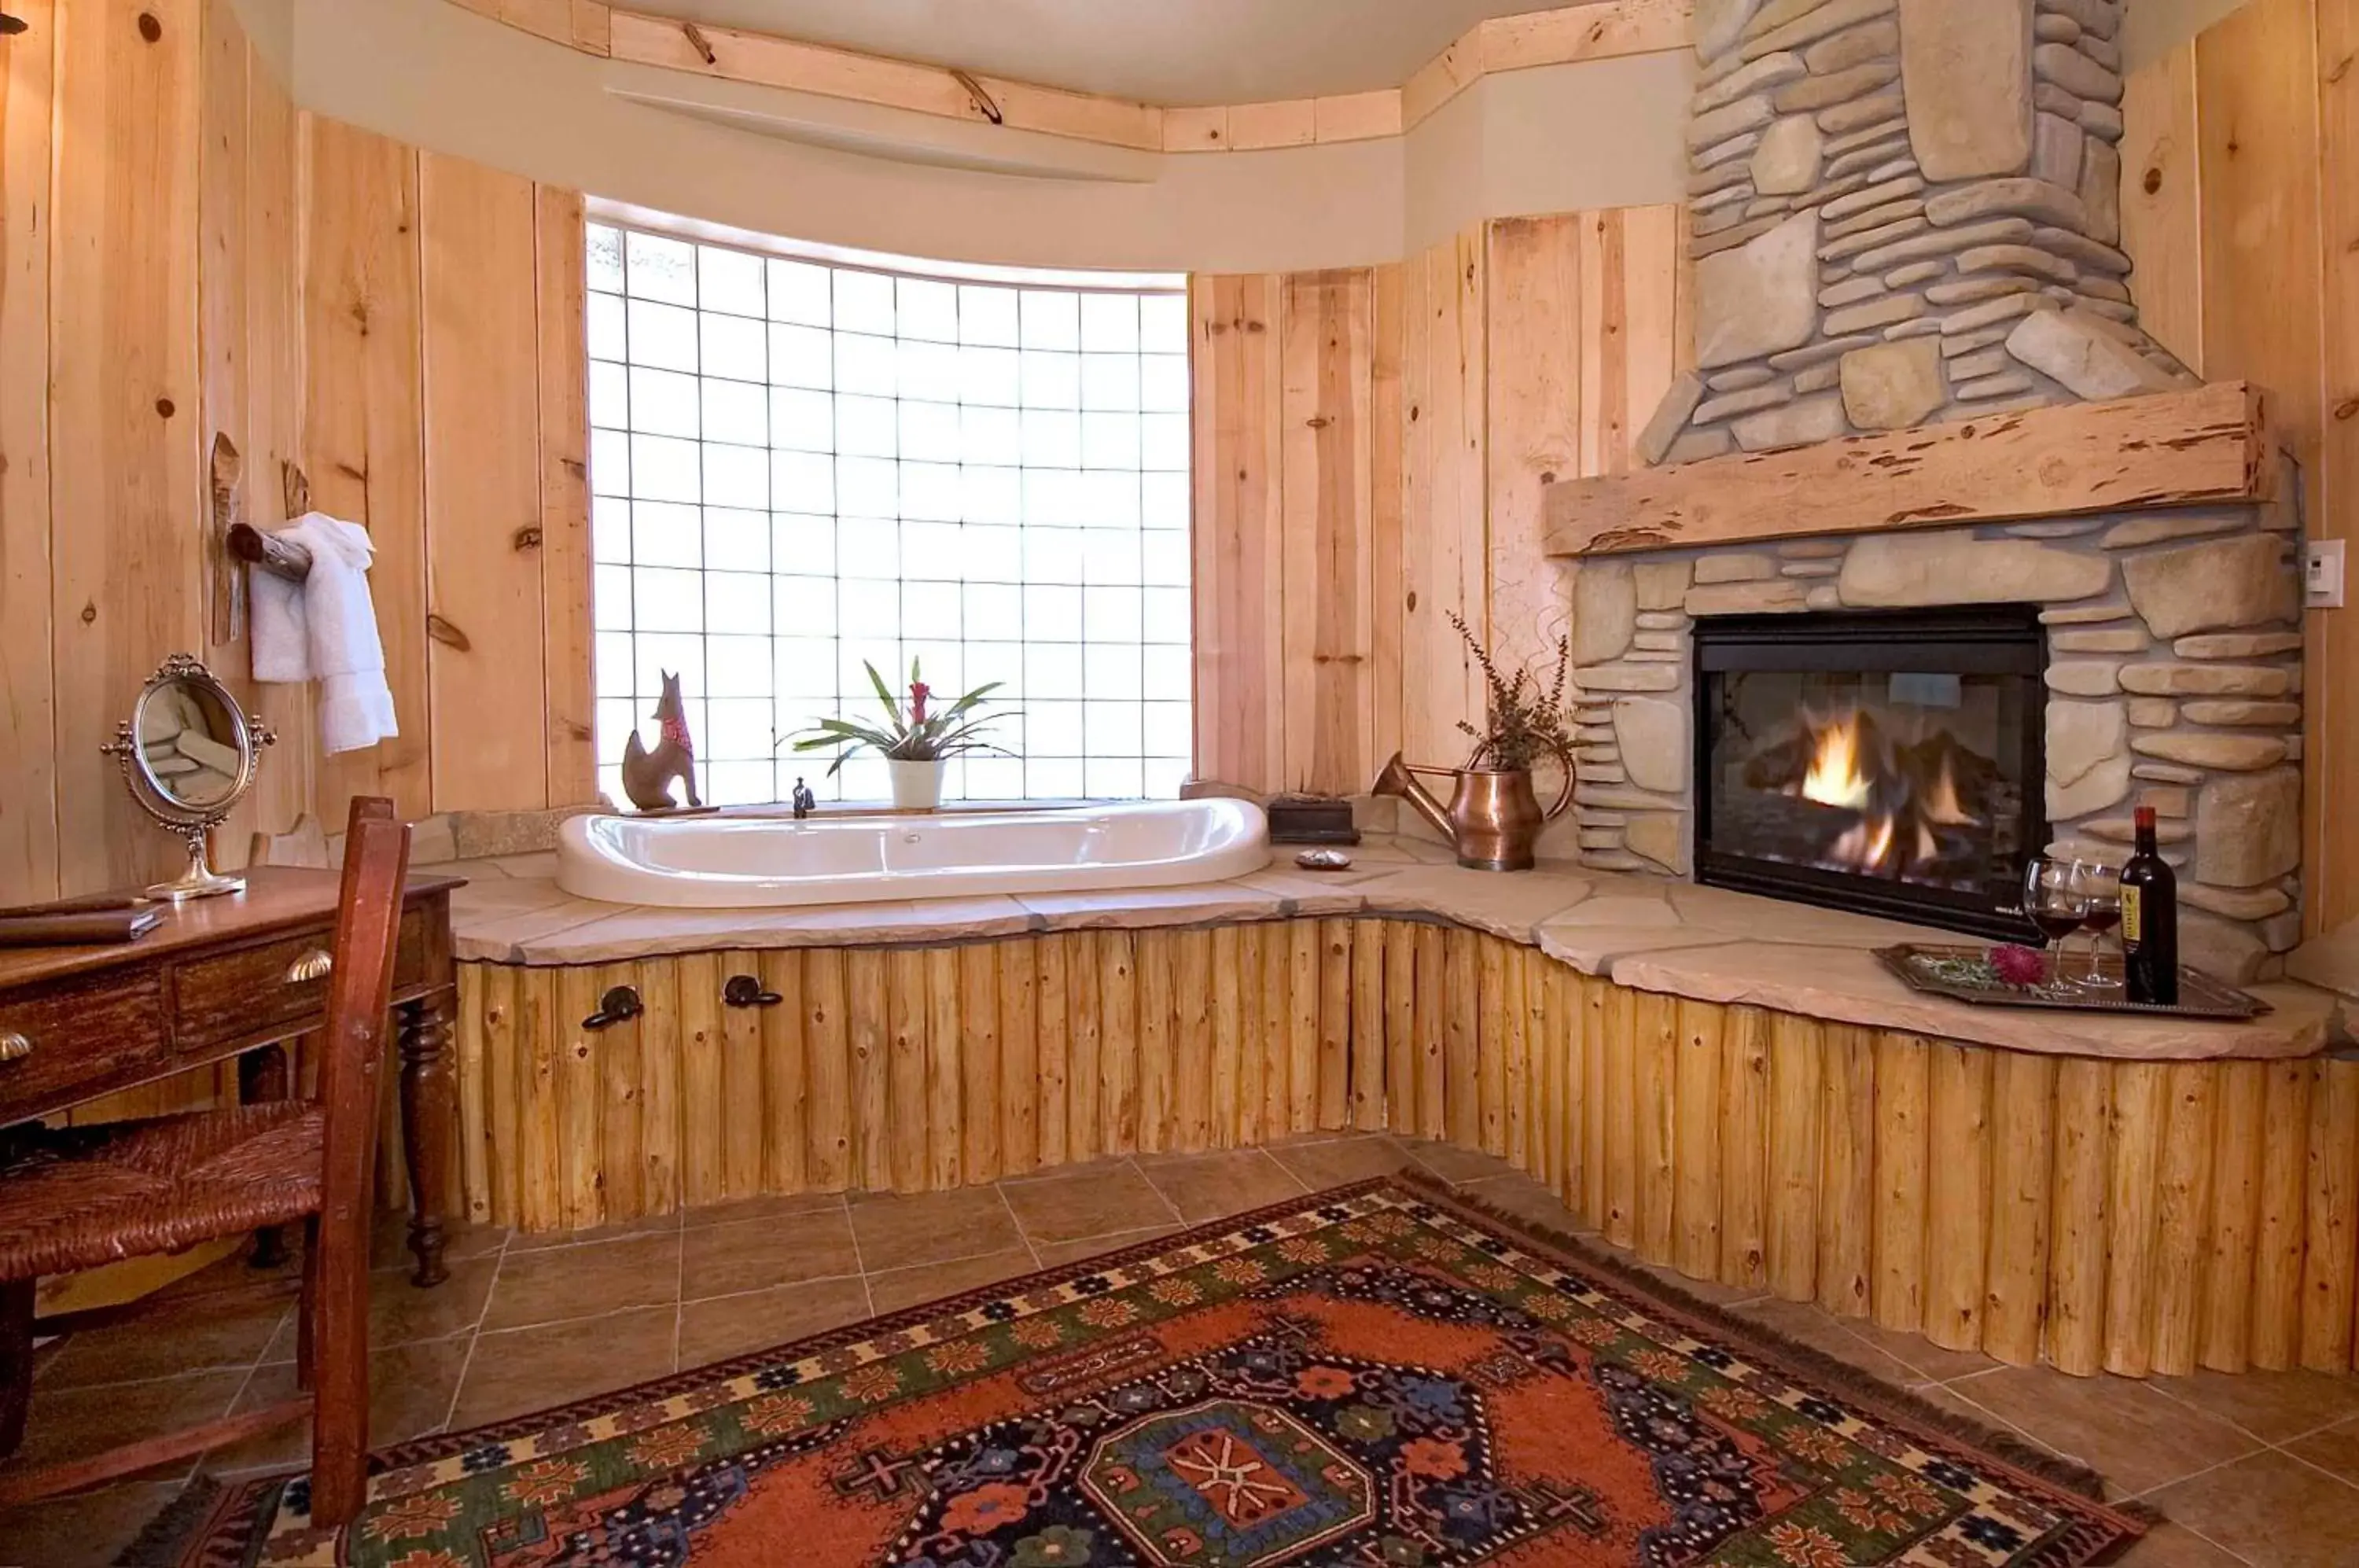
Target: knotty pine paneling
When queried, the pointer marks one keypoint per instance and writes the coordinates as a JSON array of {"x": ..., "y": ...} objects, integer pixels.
[
  {"x": 480, "y": 395},
  {"x": 1371, "y": 448},
  {"x": 185, "y": 255},
  {"x": 2140, "y": 1218}
]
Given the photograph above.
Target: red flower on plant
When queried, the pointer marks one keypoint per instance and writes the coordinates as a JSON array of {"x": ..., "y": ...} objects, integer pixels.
[
  {"x": 918, "y": 692},
  {"x": 986, "y": 1509},
  {"x": 1432, "y": 1456}
]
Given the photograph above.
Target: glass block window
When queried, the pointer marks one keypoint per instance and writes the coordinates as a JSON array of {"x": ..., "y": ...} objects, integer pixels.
[{"x": 798, "y": 464}]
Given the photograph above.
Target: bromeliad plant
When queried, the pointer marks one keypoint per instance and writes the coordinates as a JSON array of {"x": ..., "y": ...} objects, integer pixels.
[
  {"x": 919, "y": 732},
  {"x": 1526, "y": 722}
]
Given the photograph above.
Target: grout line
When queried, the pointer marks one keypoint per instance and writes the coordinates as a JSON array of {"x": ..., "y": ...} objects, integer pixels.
[
  {"x": 678, "y": 1285},
  {"x": 467, "y": 1362},
  {"x": 1160, "y": 1197},
  {"x": 1016, "y": 1220},
  {"x": 859, "y": 1262}
]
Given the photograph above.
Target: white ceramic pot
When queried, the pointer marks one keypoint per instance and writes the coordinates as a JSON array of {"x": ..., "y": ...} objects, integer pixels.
[{"x": 916, "y": 786}]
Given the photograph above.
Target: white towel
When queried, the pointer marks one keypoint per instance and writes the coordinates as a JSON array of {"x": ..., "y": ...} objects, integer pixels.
[{"x": 324, "y": 628}]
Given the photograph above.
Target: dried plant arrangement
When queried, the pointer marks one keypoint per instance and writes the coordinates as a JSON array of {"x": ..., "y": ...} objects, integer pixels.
[{"x": 1526, "y": 722}]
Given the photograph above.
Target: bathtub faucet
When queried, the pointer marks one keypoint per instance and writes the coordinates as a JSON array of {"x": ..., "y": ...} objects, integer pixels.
[{"x": 804, "y": 802}]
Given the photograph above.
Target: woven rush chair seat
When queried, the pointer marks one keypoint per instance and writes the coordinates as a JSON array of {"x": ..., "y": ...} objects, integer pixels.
[
  {"x": 80, "y": 1197},
  {"x": 83, "y": 1197}
]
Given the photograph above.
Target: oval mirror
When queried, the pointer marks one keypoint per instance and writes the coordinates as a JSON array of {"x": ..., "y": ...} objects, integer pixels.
[{"x": 188, "y": 753}]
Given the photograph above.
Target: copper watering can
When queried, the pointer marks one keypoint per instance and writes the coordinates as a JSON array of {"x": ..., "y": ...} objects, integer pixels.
[{"x": 1494, "y": 818}]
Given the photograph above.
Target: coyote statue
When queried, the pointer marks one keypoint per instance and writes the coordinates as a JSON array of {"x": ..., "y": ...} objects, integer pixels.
[{"x": 647, "y": 775}]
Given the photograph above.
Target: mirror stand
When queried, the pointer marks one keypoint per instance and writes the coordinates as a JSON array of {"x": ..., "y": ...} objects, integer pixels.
[{"x": 188, "y": 754}]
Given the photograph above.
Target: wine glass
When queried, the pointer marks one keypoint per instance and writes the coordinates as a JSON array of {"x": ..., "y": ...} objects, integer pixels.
[
  {"x": 2100, "y": 887},
  {"x": 2054, "y": 902}
]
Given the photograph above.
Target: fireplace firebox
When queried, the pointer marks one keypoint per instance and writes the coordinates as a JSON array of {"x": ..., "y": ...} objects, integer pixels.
[{"x": 1883, "y": 762}]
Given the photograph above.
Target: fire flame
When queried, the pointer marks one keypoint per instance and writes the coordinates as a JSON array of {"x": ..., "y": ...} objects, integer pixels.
[{"x": 1853, "y": 768}]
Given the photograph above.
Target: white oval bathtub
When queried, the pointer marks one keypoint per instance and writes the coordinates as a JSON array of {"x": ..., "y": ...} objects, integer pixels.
[{"x": 740, "y": 861}]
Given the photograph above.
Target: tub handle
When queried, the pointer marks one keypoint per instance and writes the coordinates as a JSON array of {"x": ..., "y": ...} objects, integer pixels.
[
  {"x": 745, "y": 991},
  {"x": 618, "y": 1006}
]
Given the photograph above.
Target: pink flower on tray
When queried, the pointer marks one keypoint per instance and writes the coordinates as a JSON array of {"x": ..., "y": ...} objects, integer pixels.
[{"x": 2019, "y": 965}]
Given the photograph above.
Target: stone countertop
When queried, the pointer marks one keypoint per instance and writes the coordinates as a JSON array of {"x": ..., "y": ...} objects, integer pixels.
[{"x": 1675, "y": 938}]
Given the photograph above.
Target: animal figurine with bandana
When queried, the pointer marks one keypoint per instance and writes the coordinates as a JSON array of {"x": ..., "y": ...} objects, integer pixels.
[{"x": 647, "y": 775}]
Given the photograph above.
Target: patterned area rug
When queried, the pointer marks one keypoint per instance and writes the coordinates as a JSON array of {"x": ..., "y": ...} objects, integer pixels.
[{"x": 1380, "y": 1375}]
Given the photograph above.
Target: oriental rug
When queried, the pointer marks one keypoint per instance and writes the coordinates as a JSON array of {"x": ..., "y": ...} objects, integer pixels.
[{"x": 1380, "y": 1375}]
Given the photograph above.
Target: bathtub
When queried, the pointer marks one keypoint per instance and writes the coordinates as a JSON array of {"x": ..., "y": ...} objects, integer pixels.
[{"x": 723, "y": 862}]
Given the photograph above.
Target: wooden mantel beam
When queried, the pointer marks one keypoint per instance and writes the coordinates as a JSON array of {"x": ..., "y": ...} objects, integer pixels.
[{"x": 2206, "y": 446}]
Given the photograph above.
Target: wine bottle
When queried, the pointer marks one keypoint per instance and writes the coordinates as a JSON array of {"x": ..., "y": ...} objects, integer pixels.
[{"x": 2149, "y": 921}]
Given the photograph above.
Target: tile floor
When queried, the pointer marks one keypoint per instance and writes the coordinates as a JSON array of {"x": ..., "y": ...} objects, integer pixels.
[{"x": 2260, "y": 1470}]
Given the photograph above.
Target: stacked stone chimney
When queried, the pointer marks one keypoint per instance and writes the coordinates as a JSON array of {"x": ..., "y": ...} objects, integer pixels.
[{"x": 1903, "y": 212}]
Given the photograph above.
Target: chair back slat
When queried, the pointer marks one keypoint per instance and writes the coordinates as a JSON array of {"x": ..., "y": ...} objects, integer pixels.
[{"x": 368, "y": 921}]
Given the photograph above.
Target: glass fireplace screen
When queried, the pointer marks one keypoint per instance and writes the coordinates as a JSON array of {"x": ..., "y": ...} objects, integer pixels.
[{"x": 1889, "y": 764}]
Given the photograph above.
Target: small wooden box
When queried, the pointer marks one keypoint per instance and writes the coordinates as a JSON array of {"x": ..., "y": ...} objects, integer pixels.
[{"x": 1311, "y": 819}]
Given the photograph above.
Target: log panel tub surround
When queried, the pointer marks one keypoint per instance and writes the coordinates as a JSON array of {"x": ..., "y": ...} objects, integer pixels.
[{"x": 2124, "y": 1195}]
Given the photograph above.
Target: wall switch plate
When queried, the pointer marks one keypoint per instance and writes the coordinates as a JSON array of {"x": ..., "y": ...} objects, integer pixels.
[{"x": 2321, "y": 574}]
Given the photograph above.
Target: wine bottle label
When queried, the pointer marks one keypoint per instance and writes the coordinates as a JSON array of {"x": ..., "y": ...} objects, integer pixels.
[{"x": 2132, "y": 923}]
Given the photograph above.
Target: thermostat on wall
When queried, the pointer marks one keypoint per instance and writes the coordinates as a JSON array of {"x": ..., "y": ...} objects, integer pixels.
[{"x": 2321, "y": 574}]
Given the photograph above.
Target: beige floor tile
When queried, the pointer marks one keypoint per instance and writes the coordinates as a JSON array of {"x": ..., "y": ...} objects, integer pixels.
[
  {"x": 726, "y": 1327},
  {"x": 162, "y": 1338},
  {"x": 1057, "y": 1253},
  {"x": 1929, "y": 1361},
  {"x": 523, "y": 1370},
  {"x": 2275, "y": 1407},
  {"x": 583, "y": 1281},
  {"x": 1329, "y": 1162},
  {"x": 389, "y": 1240},
  {"x": 409, "y": 1395},
  {"x": 1454, "y": 1164},
  {"x": 896, "y": 1288},
  {"x": 2136, "y": 1438},
  {"x": 2174, "y": 1546},
  {"x": 901, "y": 1232},
  {"x": 764, "y": 1208},
  {"x": 402, "y": 1314},
  {"x": 66, "y": 1424},
  {"x": 1090, "y": 1203},
  {"x": 1956, "y": 1400},
  {"x": 2335, "y": 1449},
  {"x": 756, "y": 1253},
  {"x": 1822, "y": 1331},
  {"x": 539, "y": 1241},
  {"x": 87, "y": 1530},
  {"x": 1711, "y": 1293},
  {"x": 1522, "y": 1198},
  {"x": 1214, "y": 1186},
  {"x": 2270, "y": 1509}
]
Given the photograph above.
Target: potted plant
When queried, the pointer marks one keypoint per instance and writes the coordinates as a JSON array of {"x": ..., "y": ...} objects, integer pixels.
[
  {"x": 920, "y": 740},
  {"x": 1492, "y": 818}
]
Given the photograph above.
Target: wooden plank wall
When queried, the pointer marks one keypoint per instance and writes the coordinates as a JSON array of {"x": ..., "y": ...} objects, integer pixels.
[
  {"x": 2240, "y": 165},
  {"x": 1371, "y": 448},
  {"x": 2122, "y": 1216},
  {"x": 185, "y": 257}
]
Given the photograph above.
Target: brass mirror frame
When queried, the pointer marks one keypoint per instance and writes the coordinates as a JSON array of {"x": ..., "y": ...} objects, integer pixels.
[{"x": 249, "y": 734}]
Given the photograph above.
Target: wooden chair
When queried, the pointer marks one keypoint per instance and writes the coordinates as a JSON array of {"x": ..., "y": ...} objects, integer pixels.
[{"x": 88, "y": 1196}]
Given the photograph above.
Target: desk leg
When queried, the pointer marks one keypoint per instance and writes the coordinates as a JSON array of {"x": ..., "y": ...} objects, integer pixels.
[{"x": 428, "y": 1108}]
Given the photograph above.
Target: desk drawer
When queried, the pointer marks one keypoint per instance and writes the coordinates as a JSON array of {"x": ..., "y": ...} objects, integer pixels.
[
  {"x": 282, "y": 985},
  {"x": 87, "y": 1034}
]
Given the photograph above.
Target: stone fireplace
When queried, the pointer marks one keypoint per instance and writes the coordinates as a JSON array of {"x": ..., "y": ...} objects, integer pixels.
[
  {"x": 1902, "y": 212},
  {"x": 1921, "y": 389},
  {"x": 2170, "y": 654}
]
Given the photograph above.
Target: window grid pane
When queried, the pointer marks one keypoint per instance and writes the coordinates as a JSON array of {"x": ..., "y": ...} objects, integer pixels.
[{"x": 801, "y": 468}]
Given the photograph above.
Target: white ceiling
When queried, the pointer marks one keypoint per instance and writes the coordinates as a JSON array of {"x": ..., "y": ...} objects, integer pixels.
[{"x": 1158, "y": 51}]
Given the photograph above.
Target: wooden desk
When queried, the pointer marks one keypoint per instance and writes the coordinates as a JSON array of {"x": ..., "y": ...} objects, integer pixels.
[{"x": 218, "y": 978}]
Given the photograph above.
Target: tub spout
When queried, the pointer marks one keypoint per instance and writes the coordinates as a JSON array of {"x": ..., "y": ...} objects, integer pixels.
[{"x": 1399, "y": 780}]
